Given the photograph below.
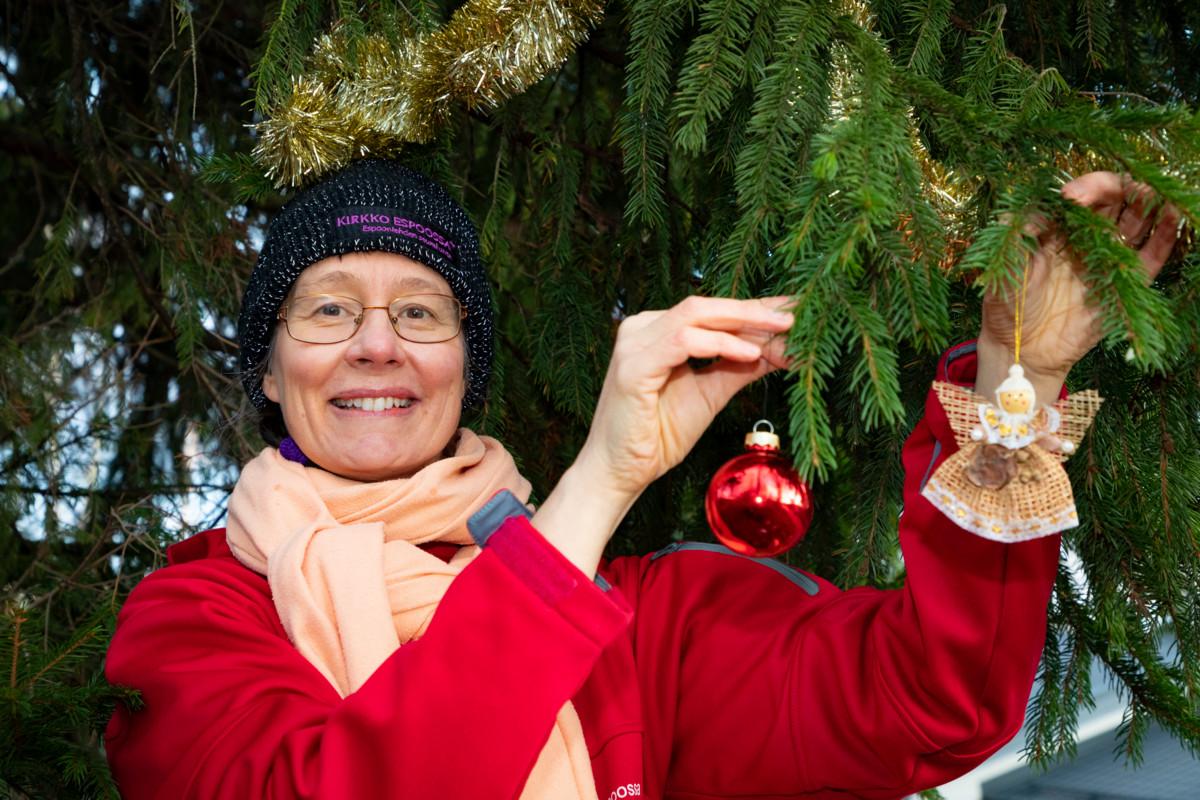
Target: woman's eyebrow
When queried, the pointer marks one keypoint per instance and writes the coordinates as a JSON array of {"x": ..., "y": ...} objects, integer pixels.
[
  {"x": 413, "y": 282},
  {"x": 336, "y": 277}
]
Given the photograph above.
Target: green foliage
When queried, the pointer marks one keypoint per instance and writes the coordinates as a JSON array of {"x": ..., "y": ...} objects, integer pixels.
[
  {"x": 239, "y": 170},
  {"x": 1131, "y": 311},
  {"x": 765, "y": 167},
  {"x": 930, "y": 20},
  {"x": 712, "y": 69},
  {"x": 284, "y": 50},
  {"x": 50, "y": 697},
  {"x": 55, "y": 264},
  {"x": 642, "y": 128},
  {"x": 877, "y": 162}
]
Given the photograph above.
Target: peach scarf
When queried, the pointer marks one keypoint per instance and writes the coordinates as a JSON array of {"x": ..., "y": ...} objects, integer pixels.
[{"x": 350, "y": 583}]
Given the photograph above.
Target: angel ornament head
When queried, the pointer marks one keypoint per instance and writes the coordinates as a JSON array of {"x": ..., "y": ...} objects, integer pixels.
[{"x": 1015, "y": 394}]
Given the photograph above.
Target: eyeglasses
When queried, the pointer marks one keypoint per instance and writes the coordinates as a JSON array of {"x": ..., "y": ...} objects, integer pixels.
[{"x": 328, "y": 319}]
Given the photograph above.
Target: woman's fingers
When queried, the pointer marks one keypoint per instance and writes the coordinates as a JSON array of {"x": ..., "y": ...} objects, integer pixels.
[
  {"x": 774, "y": 352},
  {"x": 1116, "y": 197},
  {"x": 1135, "y": 220},
  {"x": 1099, "y": 190},
  {"x": 1149, "y": 227},
  {"x": 653, "y": 405},
  {"x": 720, "y": 382},
  {"x": 703, "y": 343},
  {"x": 742, "y": 335},
  {"x": 722, "y": 313},
  {"x": 718, "y": 313},
  {"x": 702, "y": 327},
  {"x": 1161, "y": 241}
]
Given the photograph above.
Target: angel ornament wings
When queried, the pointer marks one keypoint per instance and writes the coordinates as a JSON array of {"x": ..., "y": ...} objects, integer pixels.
[{"x": 1007, "y": 481}]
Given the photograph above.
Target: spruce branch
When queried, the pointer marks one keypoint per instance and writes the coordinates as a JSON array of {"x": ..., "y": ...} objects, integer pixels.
[
  {"x": 814, "y": 345},
  {"x": 985, "y": 58},
  {"x": 869, "y": 543},
  {"x": 284, "y": 50},
  {"x": 875, "y": 376},
  {"x": 1093, "y": 30},
  {"x": 786, "y": 113},
  {"x": 641, "y": 130},
  {"x": 931, "y": 19},
  {"x": 997, "y": 257},
  {"x": 712, "y": 68}
]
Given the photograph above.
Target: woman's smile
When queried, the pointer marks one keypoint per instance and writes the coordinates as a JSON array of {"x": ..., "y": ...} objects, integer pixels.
[{"x": 375, "y": 401}]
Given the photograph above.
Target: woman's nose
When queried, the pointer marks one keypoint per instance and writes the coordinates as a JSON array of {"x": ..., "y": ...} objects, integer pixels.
[{"x": 376, "y": 339}]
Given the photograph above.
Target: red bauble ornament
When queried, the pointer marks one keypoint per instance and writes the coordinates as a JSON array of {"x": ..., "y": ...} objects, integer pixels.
[{"x": 757, "y": 504}]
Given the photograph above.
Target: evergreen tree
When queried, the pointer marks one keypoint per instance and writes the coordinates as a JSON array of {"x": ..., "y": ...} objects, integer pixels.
[{"x": 876, "y": 160}]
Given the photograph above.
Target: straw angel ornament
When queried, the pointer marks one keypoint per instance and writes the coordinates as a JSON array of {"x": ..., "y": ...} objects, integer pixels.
[{"x": 1006, "y": 481}]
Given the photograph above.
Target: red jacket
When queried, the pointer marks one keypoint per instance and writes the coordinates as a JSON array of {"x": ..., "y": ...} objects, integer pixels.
[{"x": 700, "y": 674}]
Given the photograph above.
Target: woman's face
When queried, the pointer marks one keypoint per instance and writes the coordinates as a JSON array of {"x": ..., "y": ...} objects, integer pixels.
[{"x": 314, "y": 383}]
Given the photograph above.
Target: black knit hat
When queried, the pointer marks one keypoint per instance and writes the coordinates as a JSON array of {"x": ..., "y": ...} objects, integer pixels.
[{"x": 369, "y": 205}]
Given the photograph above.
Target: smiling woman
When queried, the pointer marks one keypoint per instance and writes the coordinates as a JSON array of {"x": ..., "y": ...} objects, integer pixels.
[{"x": 384, "y": 617}]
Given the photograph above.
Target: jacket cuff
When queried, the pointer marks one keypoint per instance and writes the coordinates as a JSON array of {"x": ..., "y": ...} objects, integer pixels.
[
  {"x": 957, "y": 365},
  {"x": 488, "y": 519},
  {"x": 503, "y": 505},
  {"x": 502, "y": 527}
]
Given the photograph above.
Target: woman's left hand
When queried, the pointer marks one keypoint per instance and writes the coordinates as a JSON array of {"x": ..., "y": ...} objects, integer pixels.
[
  {"x": 1060, "y": 325},
  {"x": 654, "y": 406}
]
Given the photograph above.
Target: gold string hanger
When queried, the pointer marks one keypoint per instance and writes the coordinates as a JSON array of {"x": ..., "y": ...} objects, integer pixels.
[{"x": 1019, "y": 316}]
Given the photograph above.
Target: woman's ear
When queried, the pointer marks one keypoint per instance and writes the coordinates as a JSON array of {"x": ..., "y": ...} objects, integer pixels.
[{"x": 270, "y": 386}]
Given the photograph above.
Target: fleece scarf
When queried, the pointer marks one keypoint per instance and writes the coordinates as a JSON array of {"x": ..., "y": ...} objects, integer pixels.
[{"x": 351, "y": 584}]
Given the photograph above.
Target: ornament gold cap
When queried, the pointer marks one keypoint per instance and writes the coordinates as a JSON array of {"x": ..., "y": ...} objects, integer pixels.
[{"x": 767, "y": 438}]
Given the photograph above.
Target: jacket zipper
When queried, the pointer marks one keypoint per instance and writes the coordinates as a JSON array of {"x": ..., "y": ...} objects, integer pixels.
[{"x": 799, "y": 578}]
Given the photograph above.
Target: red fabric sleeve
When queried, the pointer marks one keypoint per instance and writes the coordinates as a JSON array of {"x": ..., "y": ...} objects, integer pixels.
[
  {"x": 755, "y": 687},
  {"x": 232, "y": 710}
]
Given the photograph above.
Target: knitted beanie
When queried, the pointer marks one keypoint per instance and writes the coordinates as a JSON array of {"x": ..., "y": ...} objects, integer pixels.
[{"x": 369, "y": 205}]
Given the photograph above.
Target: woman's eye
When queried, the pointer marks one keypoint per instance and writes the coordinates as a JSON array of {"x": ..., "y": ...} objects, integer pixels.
[
  {"x": 331, "y": 310},
  {"x": 415, "y": 312}
]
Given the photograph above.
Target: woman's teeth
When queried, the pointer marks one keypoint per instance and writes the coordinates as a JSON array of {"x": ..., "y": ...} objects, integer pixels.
[{"x": 373, "y": 403}]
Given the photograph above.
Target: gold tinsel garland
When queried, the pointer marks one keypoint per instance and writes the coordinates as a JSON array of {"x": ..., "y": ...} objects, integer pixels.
[{"x": 386, "y": 95}]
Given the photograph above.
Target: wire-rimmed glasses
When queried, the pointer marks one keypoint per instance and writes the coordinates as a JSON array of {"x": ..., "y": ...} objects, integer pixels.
[{"x": 328, "y": 319}]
